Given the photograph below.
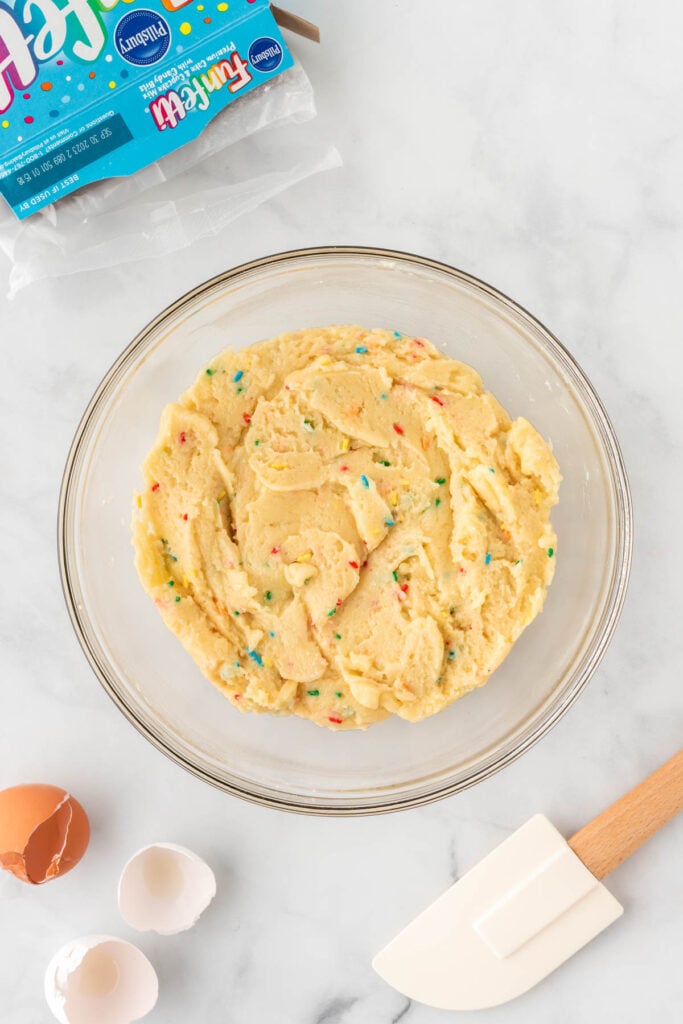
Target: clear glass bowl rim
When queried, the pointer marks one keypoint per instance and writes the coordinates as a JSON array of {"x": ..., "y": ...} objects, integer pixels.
[{"x": 581, "y": 676}]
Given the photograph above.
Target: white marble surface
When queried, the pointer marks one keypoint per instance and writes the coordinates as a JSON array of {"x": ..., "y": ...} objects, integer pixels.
[{"x": 539, "y": 146}]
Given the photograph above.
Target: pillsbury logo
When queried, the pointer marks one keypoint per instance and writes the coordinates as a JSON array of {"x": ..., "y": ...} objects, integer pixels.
[
  {"x": 265, "y": 54},
  {"x": 142, "y": 37}
]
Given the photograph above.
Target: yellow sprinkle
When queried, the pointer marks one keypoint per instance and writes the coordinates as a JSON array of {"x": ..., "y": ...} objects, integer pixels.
[
  {"x": 186, "y": 582},
  {"x": 306, "y": 557},
  {"x": 393, "y": 498},
  {"x": 138, "y": 501},
  {"x": 537, "y": 496},
  {"x": 267, "y": 662},
  {"x": 424, "y": 441},
  {"x": 346, "y": 444},
  {"x": 406, "y": 483},
  {"x": 279, "y": 465},
  {"x": 326, "y": 361}
]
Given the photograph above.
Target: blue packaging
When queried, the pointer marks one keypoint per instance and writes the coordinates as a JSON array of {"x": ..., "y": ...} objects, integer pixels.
[{"x": 93, "y": 89}]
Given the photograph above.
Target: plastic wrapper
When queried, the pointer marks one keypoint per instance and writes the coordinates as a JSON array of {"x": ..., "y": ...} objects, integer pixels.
[{"x": 257, "y": 148}]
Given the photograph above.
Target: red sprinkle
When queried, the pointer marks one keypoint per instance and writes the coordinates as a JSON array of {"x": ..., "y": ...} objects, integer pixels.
[
  {"x": 339, "y": 602},
  {"x": 404, "y": 588},
  {"x": 463, "y": 571},
  {"x": 354, "y": 565},
  {"x": 238, "y": 696},
  {"x": 343, "y": 469},
  {"x": 274, "y": 551},
  {"x": 337, "y": 721},
  {"x": 364, "y": 564},
  {"x": 435, "y": 398},
  {"x": 182, "y": 437},
  {"x": 418, "y": 342},
  {"x": 185, "y": 517},
  {"x": 155, "y": 487},
  {"x": 398, "y": 428},
  {"x": 246, "y": 417}
]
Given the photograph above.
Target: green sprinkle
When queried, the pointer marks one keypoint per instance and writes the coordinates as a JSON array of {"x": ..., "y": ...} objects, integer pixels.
[
  {"x": 339, "y": 693},
  {"x": 164, "y": 541},
  {"x": 551, "y": 552},
  {"x": 308, "y": 426},
  {"x": 452, "y": 610},
  {"x": 383, "y": 462},
  {"x": 238, "y": 664},
  {"x": 171, "y": 583},
  {"x": 395, "y": 575},
  {"x": 177, "y": 599},
  {"x": 332, "y": 611},
  {"x": 440, "y": 480},
  {"x": 257, "y": 443},
  {"x": 337, "y": 636},
  {"x": 518, "y": 562},
  {"x": 439, "y": 679},
  {"x": 240, "y": 390},
  {"x": 268, "y": 595},
  {"x": 437, "y": 502},
  {"x": 210, "y": 373},
  {"x": 313, "y": 693},
  {"x": 235, "y": 613}
]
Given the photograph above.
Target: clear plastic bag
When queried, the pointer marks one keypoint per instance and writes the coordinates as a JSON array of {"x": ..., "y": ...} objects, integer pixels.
[{"x": 231, "y": 168}]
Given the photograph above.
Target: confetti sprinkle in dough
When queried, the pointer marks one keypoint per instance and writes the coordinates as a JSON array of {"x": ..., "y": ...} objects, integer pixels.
[{"x": 342, "y": 524}]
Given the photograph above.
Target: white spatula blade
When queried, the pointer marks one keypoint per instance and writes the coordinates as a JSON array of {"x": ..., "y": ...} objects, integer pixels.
[{"x": 514, "y": 918}]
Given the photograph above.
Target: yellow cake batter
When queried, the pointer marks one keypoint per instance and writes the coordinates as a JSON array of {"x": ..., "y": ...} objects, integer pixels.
[{"x": 341, "y": 524}]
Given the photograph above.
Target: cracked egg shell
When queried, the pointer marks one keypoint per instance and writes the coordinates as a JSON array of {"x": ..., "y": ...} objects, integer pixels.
[
  {"x": 100, "y": 979},
  {"x": 165, "y": 888},
  {"x": 44, "y": 832}
]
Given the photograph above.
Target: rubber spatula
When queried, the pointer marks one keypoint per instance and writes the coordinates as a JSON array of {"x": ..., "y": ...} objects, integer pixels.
[{"x": 528, "y": 906}]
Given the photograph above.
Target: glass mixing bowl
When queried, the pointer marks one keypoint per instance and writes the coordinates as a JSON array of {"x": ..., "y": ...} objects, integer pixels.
[{"x": 288, "y": 762}]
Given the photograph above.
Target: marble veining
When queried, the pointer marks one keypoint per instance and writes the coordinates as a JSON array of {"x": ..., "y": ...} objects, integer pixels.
[{"x": 537, "y": 146}]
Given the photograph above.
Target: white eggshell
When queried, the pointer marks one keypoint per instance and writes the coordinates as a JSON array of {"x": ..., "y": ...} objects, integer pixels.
[
  {"x": 165, "y": 888},
  {"x": 100, "y": 978}
]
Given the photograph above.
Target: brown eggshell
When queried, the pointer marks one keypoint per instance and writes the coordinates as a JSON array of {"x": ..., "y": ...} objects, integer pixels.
[{"x": 44, "y": 832}]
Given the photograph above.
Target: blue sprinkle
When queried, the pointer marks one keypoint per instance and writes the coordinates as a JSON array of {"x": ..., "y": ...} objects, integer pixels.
[
  {"x": 256, "y": 656},
  {"x": 487, "y": 560},
  {"x": 451, "y": 654},
  {"x": 238, "y": 376},
  {"x": 491, "y": 469},
  {"x": 271, "y": 633},
  {"x": 389, "y": 522},
  {"x": 237, "y": 664},
  {"x": 364, "y": 480},
  {"x": 361, "y": 349},
  {"x": 397, "y": 334},
  {"x": 383, "y": 397}
]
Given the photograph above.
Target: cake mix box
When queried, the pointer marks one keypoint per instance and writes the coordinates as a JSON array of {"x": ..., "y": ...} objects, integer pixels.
[{"x": 93, "y": 89}]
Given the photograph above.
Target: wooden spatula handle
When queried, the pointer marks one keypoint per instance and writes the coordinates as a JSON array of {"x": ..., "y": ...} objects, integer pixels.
[{"x": 619, "y": 831}]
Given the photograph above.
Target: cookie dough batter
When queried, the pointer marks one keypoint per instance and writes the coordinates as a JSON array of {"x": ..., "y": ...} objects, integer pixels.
[{"x": 342, "y": 524}]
